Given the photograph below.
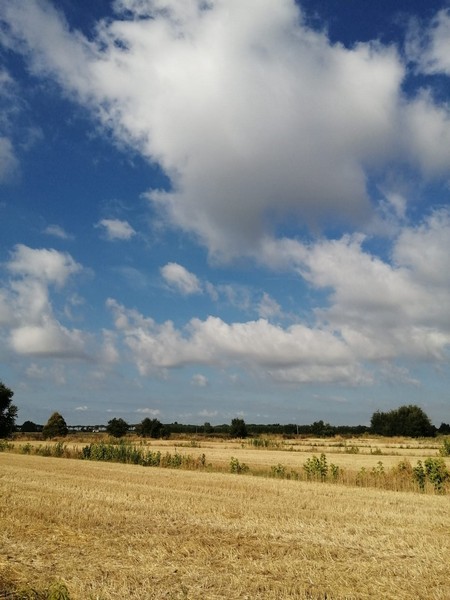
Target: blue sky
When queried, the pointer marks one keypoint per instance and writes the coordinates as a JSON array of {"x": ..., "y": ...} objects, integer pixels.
[{"x": 225, "y": 209}]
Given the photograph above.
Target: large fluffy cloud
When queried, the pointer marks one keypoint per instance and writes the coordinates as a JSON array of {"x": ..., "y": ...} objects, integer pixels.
[
  {"x": 299, "y": 351},
  {"x": 26, "y": 311},
  {"x": 256, "y": 118},
  {"x": 377, "y": 312},
  {"x": 382, "y": 310}
]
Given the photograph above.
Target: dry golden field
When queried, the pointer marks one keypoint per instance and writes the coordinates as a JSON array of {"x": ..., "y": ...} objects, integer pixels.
[
  {"x": 293, "y": 453},
  {"x": 113, "y": 531}
]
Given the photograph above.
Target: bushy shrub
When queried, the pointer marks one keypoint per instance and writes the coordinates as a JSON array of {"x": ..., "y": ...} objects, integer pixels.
[
  {"x": 237, "y": 467},
  {"x": 278, "y": 471},
  {"x": 5, "y": 446},
  {"x": 316, "y": 468},
  {"x": 335, "y": 471},
  {"x": 444, "y": 450},
  {"x": 437, "y": 473},
  {"x": 378, "y": 470},
  {"x": 433, "y": 470}
]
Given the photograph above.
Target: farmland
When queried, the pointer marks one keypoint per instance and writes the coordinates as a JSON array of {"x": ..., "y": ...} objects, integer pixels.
[{"x": 111, "y": 531}]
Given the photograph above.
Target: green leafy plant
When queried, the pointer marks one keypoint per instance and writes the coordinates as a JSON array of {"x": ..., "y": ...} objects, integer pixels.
[
  {"x": 237, "y": 467},
  {"x": 444, "y": 450},
  {"x": 404, "y": 468},
  {"x": 335, "y": 471},
  {"x": 44, "y": 450},
  {"x": 437, "y": 473},
  {"x": 278, "y": 471},
  {"x": 59, "y": 449},
  {"x": 26, "y": 448},
  {"x": 316, "y": 468},
  {"x": 361, "y": 477},
  {"x": 378, "y": 470},
  {"x": 5, "y": 446},
  {"x": 419, "y": 475}
]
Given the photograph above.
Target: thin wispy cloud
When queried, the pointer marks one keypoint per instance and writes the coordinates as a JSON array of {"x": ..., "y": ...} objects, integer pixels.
[{"x": 58, "y": 232}]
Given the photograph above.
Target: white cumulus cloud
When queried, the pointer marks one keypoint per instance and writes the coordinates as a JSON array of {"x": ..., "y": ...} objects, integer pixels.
[
  {"x": 375, "y": 313},
  {"x": 256, "y": 118},
  {"x": 180, "y": 278},
  {"x": 115, "y": 229},
  {"x": 45, "y": 265},
  {"x": 33, "y": 328}
]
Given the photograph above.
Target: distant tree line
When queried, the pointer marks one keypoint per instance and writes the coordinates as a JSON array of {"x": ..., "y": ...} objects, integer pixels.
[
  {"x": 408, "y": 421},
  {"x": 385, "y": 424}
]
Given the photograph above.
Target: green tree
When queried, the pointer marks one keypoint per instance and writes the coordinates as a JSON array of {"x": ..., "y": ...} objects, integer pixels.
[
  {"x": 8, "y": 412},
  {"x": 151, "y": 428},
  {"x": 410, "y": 421},
  {"x": 117, "y": 427},
  {"x": 29, "y": 427},
  {"x": 207, "y": 427},
  {"x": 55, "y": 427},
  {"x": 238, "y": 428},
  {"x": 444, "y": 429}
]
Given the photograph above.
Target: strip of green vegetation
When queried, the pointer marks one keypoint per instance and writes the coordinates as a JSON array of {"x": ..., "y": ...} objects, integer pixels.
[
  {"x": 127, "y": 453},
  {"x": 430, "y": 475}
]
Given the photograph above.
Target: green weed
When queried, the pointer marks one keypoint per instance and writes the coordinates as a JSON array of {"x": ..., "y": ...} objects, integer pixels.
[
  {"x": 444, "y": 450},
  {"x": 316, "y": 468},
  {"x": 5, "y": 446},
  {"x": 237, "y": 467},
  {"x": 437, "y": 473},
  {"x": 278, "y": 471}
]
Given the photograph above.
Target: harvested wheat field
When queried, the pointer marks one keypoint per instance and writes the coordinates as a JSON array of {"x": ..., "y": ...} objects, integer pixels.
[
  {"x": 292, "y": 454},
  {"x": 113, "y": 531}
]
